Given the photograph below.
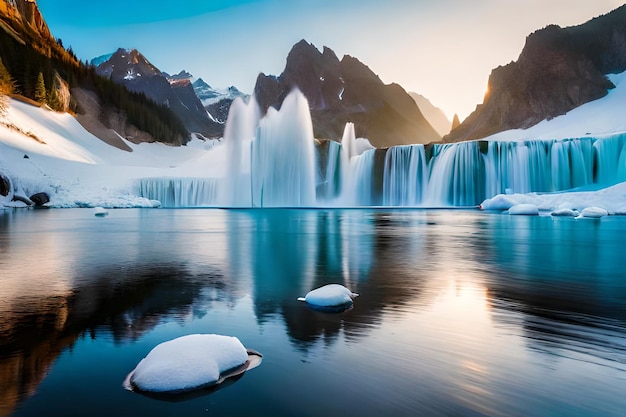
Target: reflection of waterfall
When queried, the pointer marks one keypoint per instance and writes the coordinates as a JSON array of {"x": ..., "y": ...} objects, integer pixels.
[{"x": 272, "y": 162}]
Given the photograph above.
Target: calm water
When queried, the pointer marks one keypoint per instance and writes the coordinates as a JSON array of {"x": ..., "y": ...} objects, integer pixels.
[{"x": 461, "y": 313}]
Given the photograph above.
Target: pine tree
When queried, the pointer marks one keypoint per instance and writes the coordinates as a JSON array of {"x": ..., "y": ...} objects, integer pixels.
[{"x": 40, "y": 89}]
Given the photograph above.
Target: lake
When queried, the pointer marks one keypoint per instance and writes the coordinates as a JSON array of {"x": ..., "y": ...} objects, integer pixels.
[{"x": 460, "y": 313}]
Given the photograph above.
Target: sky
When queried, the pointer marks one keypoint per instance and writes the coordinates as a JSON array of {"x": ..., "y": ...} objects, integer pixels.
[{"x": 444, "y": 49}]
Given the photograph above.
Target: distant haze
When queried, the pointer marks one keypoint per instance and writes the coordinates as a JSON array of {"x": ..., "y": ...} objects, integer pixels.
[
  {"x": 435, "y": 116},
  {"x": 443, "y": 50}
]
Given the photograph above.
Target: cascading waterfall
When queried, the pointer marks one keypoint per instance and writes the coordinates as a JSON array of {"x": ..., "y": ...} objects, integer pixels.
[
  {"x": 405, "y": 175},
  {"x": 329, "y": 183},
  {"x": 283, "y": 156},
  {"x": 179, "y": 192},
  {"x": 457, "y": 175},
  {"x": 610, "y": 159},
  {"x": 272, "y": 162},
  {"x": 235, "y": 188}
]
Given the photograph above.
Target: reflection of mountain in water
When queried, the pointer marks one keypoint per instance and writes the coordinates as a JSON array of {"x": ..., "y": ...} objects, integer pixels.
[
  {"x": 34, "y": 332},
  {"x": 401, "y": 263}
]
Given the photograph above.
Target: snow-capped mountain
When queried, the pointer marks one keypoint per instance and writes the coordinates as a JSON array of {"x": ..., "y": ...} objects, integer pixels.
[
  {"x": 209, "y": 95},
  {"x": 135, "y": 72},
  {"x": 215, "y": 101}
]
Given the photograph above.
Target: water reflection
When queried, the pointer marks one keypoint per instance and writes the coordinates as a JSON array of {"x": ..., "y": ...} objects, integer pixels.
[{"x": 457, "y": 297}]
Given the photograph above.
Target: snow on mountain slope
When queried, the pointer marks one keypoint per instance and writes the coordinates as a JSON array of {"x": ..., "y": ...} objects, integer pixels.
[
  {"x": 44, "y": 151},
  {"x": 604, "y": 116}
]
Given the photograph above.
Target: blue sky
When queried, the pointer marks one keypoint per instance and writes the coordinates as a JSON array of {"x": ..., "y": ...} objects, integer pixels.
[{"x": 442, "y": 49}]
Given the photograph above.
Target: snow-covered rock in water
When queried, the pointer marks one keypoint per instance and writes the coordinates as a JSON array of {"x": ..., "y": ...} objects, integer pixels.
[
  {"x": 594, "y": 212},
  {"x": 524, "y": 210},
  {"x": 331, "y": 295},
  {"x": 564, "y": 212},
  {"x": 189, "y": 363},
  {"x": 499, "y": 202},
  {"x": 100, "y": 212}
]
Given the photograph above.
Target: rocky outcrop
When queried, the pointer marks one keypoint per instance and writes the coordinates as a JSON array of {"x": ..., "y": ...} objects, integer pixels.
[
  {"x": 346, "y": 90},
  {"x": 39, "y": 199},
  {"x": 27, "y": 14},
  {"x": 558, "y": 70},
  {"x": 5, "y": 186}
]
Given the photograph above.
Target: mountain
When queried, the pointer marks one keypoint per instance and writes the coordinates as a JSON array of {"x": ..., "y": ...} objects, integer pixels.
[
  {"x": 132, "y": 70},
  {"x": 346, "y": 91},
  {"x": 435, "y": 116},
  {"x": 558, "y": 70},
  {"x": 39, "y": 70},
  {"x": 215, "y": 101}
]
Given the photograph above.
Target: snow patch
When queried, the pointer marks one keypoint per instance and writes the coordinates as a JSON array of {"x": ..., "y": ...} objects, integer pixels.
[
  {"x": 565, "y": 212},
  {"x": 187, "y": 363},
  {"x": 524, "y": 210},
  {"x": 612, "y": 199},
  {"x": 594, "y": 212},
  {"x": 331, "y": 295}
]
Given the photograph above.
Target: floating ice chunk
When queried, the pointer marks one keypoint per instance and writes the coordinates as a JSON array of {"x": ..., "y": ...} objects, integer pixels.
[
  {"x": 189, "y": 363},
  {"x": 564, "y": 212},
  {"x": 100, "y": 212},
  {"x": 594, "y": 212},
  {"x": 331, "y": 295},
  {"x": 524, "y": 210}
]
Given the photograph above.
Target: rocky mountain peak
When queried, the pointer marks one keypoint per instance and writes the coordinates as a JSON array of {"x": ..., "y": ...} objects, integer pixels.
[
  {"x": 133, "y": 70},
  {"x": 558, "y": 70},
  {"x": 345, "y": 91}
]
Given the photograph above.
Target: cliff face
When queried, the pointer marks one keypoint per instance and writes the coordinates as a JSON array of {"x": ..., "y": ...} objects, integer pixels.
[
  {"x": 346, "y": 90},
  {"x": 558, "y": 70},
  {"x": 23, "y": 16}
]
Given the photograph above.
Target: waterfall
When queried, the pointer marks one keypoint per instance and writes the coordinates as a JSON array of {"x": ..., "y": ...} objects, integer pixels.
[
  {"x": 283, "y": 156},
  {"x": 235, "y": 189},
  {"x": 359, "y": 190},
  {"x": 405, "y": 175},
  {"x": 179, "y": 192},
  {"x": 329, "y": 183},
  {"x": 457, "y": 175},
  {"x": 273, "y": 162},
  {"x": 610, "y": 158}
]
